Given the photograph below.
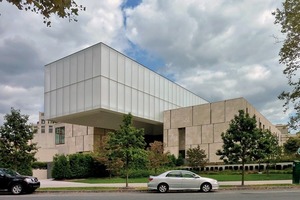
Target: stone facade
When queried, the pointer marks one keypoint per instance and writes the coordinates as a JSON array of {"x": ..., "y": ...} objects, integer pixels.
[
  {"x": 76, "y": 139},
  {"x": 202, "y": 125}
]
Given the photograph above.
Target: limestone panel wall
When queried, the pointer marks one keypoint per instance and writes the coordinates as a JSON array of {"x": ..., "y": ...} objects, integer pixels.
[
  {"x": 204, "y": 124},
  {"x": 233, "y": 106},
  {"x": 181, "y": 117},
  {"x": 193, "y": 135},
  {"x": 219, "y": 129},
  {"x": 207, "y": 134},
  {"x": 212, "y": 152},
  {"x": 167, "y": 119},
  {"x": 218, "y": 112},
  {"x": 173, "y": 138},
  {"x": 201, "y": 114}
]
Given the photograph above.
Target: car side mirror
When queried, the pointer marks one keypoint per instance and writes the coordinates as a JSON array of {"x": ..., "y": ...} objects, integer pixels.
[{"x": 2, "y": 175}]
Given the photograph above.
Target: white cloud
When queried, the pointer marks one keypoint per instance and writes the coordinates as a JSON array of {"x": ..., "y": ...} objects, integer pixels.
[{"x": 218, "y": 49}]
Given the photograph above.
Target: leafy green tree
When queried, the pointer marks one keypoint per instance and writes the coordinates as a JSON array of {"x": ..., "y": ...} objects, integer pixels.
[
  {"x": 16, "y": 149},
  {"x": 62, "y": 8},
  {"x": 288, "y": 18},
  {"x": 268, "y": 149},
  {"x": 196, "y": 157},
  {"x": 156, "y": 155},
  {"x": 104, "y": 155},
  {"x": 240, "y": 141},
  {"x": 292, "y": 145},
  {"x": 180, "y": 160},
  {"x": 126, "y": 143}
]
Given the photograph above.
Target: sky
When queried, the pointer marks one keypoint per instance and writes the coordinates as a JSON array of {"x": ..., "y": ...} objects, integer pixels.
[{"x": 218, "y": 49}]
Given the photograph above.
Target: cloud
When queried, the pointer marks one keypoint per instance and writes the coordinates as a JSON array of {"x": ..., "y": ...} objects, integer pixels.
[
  {"x": 217, "y": 49},
  {"x": 27, "y": 45}
]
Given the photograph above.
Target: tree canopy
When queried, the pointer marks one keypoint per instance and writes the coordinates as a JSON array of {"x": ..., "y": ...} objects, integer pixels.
[
  {"x": 126, "y": 144},
  {"x": 241, "y": 141},
  {"x": 62, "y": 8},
  {"x": 288, "y": 18},
  {"x": 292, "y": 145},
  {"x": 156, "y": 155},
  {"x": 16, "y": 150},
  {"x": 196, "y": 157}
]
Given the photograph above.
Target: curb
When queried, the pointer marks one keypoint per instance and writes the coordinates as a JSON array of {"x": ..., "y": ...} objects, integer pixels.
[{"x": 142, "y": 190}]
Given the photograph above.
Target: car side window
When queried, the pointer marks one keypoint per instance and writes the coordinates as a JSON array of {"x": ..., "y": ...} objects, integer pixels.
[
  {"x": 174, "y": 174},
  {"x": 187, "y": 175}
]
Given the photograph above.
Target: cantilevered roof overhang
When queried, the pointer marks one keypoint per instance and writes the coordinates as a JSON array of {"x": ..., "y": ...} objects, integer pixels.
[{"x": 97, "y": 85}]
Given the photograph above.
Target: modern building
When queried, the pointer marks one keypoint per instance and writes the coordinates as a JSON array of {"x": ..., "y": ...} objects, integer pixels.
[
  {"x": 96, "y": 86},
  {"x": 61, "y": 138}
]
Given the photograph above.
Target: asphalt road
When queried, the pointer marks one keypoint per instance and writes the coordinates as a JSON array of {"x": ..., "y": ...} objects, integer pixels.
[{"x": 291, "y": 194}]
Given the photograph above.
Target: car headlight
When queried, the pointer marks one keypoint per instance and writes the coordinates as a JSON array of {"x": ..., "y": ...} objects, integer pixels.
[{"x": 29, "y": 180}]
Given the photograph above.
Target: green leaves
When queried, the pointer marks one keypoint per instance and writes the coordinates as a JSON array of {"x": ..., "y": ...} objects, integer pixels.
[
  {"x": 196, "y": 157},
  {"x": 288, "y": 18},
  {"x": 15, "y": 149},
  {"x": 62, "y": 8},
  {"x": 126, "y": 144},
  {"x": 244, "y": 142}
]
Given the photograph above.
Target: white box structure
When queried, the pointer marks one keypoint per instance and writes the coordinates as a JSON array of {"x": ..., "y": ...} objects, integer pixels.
[{"x": 101, "y": 80}]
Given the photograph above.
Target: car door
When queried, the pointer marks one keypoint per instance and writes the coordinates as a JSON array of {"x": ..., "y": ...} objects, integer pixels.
[
  {"x": 3, "y": 180},
  {"x": 190, "y": 181},
  {"x": 173, "y": 179}
]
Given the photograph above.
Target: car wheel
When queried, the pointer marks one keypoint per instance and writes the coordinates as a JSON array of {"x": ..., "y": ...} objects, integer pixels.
[
  {"x": 163, "y": 187},
  {"x": 205, "y": 187},
  {"x": 16, "y": 188}
]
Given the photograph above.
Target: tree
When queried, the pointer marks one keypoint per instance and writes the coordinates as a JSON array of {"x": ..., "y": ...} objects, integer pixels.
[
  {"x": 104, "y": 156},
  {"x": 156, "y": 155},
  {"x": 292, "y": 145},
  {"x": 196, "y": 157},
  {"x": 126, "y": 143},
  {"x": 240, "y": 141},
  {"x": 288, "y": 17},
  {"x": 267, "y": 147},
  {"x": 62, "y": 8},
  {"x": 16, "y": 150}
]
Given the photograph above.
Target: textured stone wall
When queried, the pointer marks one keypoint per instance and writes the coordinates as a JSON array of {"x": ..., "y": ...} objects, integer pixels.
[{"x": 204, "y": 125}]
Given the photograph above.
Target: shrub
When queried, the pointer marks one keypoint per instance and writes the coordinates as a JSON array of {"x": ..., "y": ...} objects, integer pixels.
[
  {"x": 61, "y": 167},
  {"x": 81, "y": 165}
]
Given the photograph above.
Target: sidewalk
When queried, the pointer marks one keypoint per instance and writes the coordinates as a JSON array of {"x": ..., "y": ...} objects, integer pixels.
[{"x": 50, "y": 183}]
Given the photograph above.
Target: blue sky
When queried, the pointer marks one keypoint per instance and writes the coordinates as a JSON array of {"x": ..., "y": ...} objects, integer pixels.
[{"x": 218, "y": 49}]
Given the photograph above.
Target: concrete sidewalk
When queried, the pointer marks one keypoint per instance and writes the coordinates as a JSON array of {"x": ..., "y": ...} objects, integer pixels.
[{"x": 50, "y": 183}]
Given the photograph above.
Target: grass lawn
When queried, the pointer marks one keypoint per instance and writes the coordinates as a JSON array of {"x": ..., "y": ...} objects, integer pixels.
[
  {"x": 219, "y": 177},
  {"x": 250, "y": 177}
]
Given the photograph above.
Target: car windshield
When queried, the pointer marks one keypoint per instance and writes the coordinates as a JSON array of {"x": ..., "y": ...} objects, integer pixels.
[{"x": 10, "y": 172}]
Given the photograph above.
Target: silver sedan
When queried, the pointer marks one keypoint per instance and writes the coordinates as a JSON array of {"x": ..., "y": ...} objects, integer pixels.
[{"x": 181, "y": 180}]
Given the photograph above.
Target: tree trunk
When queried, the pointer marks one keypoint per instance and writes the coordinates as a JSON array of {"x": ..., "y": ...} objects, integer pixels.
[
  {"x": 127, "y": 163},
  {"x": 243, "y": 172}
]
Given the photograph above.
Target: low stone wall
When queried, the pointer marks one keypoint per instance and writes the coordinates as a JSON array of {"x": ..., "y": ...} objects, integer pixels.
[
  {"x": 40, "y": 173},
  {"x": 248, "y": 167}
]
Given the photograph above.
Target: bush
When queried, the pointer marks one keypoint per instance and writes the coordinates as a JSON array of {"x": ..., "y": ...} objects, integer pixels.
[
  {"x": 61, "y": 167},
  {"x": 77, "y": 166},
  {"x": 81, "y": 165}
]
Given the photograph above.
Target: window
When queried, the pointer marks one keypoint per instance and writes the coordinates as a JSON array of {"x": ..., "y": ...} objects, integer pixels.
[
  {"x": 42, "y": 129},
  {"x": 43, "y": 121},
  {"x": 60, "y": 135},
  {"x": 50, "y": 129},
  {"x": 188, "y": 175},
  {"x": 174, "y": 174}
]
